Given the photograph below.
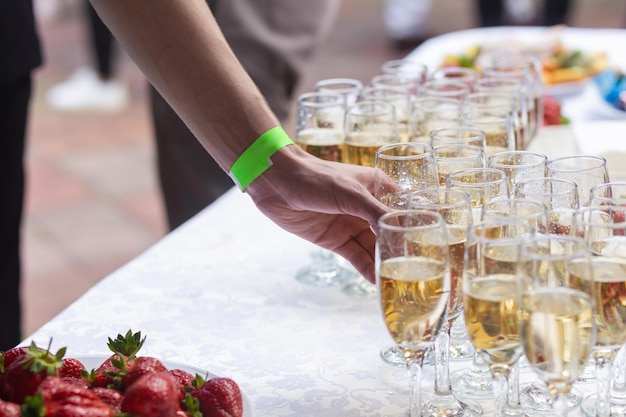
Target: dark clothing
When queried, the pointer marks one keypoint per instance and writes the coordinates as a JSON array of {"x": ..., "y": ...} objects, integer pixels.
[
  {"x": 102, "y": 43},
  {"x": 553, "y": 12},
  {"x": 19, "y": 54},
  {"x": 19, "y": 45}
]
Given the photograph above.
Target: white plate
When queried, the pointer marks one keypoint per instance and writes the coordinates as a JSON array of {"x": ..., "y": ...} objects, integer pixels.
[
  {"x": 94, "y": 361},
  {"x": 564, "y": 90}
]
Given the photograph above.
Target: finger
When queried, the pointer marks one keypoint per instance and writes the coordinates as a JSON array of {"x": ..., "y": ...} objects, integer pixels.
[{"x": 359, "y": 251}]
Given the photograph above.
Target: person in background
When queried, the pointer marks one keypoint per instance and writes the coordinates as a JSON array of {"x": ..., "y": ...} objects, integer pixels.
[
  {"x": 20, "y": 54},
  {"x": 406, "y": 22},
  {"x": 494, "y": 12},
  {"x": 273, "y": 39},
  {"x": 92, "y": 88}
]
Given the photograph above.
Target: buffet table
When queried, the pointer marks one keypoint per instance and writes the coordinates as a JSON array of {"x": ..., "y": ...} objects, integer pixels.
[{"x": 219, "y": 294}]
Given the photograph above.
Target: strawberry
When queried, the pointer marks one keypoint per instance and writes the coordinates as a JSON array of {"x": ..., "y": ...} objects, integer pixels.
[
  {"x": 110, "y": 397},
  {"x": 71, "y": 368},
  {"x": 143, "y": 365},
  {"x": 8, "y": 409},
  {"x": 64, "y": 399},
  {"x": 152, "y": 395},
  {"x": 111, "y": 372},
  {"x": 184, "y": 380},
  {"x": 219, "y": 397},
  {"x": 11, "y": 355},
  {"x": 24, "y": 373}
]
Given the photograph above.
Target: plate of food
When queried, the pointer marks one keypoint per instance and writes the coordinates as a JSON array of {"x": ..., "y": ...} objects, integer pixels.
[
  {"x": 93, "y": 362},
  {"x": 122, "y": 381}
]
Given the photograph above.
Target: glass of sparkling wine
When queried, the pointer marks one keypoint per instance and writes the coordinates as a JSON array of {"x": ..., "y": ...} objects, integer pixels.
[
  {"x": 320, "y": 118},
  {"x": 413, "y": 280},
  {"x": 369, "y": 125},
  {"x": 604, "y": 229},
  {"x": 608, "y": 194},
  {"x": 557, "y": 300},
  {"x": 497, "y": 127},
  {"x": 429, "y": 113},
  {"x": 519, "y": 165},
  {"x": 451, "y": 158},
  {"x": 456, "y": 210},
  {"x": 489, "y": 302}
]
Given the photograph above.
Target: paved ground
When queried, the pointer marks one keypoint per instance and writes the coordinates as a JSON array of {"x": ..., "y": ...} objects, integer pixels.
[{"x": 92, "y": 198}]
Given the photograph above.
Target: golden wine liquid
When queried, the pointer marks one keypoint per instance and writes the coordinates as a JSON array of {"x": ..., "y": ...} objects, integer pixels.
[
  {"x": 413, "y": 300},
  {"x": 556, "y": 326},
  {"x": 609, "y": 273},
  {"x": 491, "y": 318},
  {"x": 499, "y": 259},
  {"x": 456, "y": 248},
  {"x": 325, "y": 144},
  {"x": 360, "y": 155}
]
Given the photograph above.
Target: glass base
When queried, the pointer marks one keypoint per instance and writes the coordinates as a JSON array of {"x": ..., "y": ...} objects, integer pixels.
[
  {"x": 451, "y": 407},
  {"x": 360, "y": 288},
  {"x": 328, "y": 278},
  {"x": 393, "y": 356},
  {"x": 535, "y": 397},
  {"x": 588, "y": 407},
  {"x": 466, "y": 385}
]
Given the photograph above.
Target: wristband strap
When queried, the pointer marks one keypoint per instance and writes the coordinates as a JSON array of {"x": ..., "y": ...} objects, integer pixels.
[{"x": 256, "y": 159}]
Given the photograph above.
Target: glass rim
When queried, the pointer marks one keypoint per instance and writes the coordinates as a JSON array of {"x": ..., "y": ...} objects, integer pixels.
[
  {"x": 607, "y": 185},
  {"x": 378, "y": 108},
  {"x": 601, "y": 162},
  {"x": 383, "y": 221},
  {"x": 543, "y": 161},
  {"x": 303, "y": 98},
  {"x": 574, "y": 186},
  {"x": 428, "y": 151},
  {"x": 464, "y": 200},
  {"x": 502, "y": 174},
  {"x": 531, "y": 242}
]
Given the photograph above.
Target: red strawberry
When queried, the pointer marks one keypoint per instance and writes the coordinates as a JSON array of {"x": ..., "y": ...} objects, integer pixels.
[
  {"x": 143, "y": 365},
  {"x": 64, "y": 399},
  {"x": 111, "y": 372},
  {"x": 184, "y": 380},
  {"x": 24, "y": 373},
  {"x": 110, "y": 397},
  {"x": 219, "y": 397},
  {"x": 11, "y": 355},
  {"x": 152, "y": 395},
  {"x": 71, "y": 368},
  {"x": 8, "y": 409}
]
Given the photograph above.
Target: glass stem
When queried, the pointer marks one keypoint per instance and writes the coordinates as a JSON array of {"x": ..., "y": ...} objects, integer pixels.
[
  {"x": 603, "y": 376},
  {"x": 500, "y": 392},
  {"x": 560, "y": 405},
  {"x": 442, "y": 362},
  {"x": 415, "y": 374},
  {"x": 514, "y": 407},
  {"x": 618, "y": 391}
]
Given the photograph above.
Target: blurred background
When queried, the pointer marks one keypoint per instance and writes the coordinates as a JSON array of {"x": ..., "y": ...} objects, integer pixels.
[{"x": 92, "y": 195}]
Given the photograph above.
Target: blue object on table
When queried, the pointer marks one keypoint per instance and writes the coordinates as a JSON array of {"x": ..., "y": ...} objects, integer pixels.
[{"x": 612, "y": 86}]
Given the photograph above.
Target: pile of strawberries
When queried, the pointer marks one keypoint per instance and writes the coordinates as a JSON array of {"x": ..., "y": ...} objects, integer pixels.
[{"x": 37, "y": 383}]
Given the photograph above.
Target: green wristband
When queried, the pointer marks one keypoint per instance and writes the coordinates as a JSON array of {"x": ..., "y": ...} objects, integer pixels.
[{"x": 256, "y": 159}]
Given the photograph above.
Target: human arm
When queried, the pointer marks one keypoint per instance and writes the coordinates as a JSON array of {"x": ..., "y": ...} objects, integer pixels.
[{"x": 179, "y": 47}]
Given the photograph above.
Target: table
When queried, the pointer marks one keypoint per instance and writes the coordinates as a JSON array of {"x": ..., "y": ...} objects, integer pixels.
[{"x": 218, "y": 293}]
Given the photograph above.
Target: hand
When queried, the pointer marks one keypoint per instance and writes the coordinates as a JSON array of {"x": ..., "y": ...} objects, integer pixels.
[{"x": 327, "y": 203}]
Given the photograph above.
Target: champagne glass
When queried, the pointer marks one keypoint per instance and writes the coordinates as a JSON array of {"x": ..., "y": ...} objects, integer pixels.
[
  {"x": 489, "y": 302},
  {"x": 557, "y": 301},
  {"x": 519, "y": 165},
  {"x": 401, "y": 169},
  {"x": 396, "y": 80},
  {"x": 369, "y": 125},
  {"x": 413, "y": 280},
  {"x": 608, "y": 194},
  {"x": 456, "y": 210},
  {"x": 604, "y": 230},
  {"x": 586, "y": 171},
  {"x": 444, "y": 87},
  {"x": 450, "y": 158},
  {"x": 349, "y": 88},
  {"x": 497, "y": 127},
  {"x": 429, "y": 113},
  {"x": 401, "y": 100},
  {"x": 320, "y": 118},
  {"x": 559, "y": 196},
  {"x": 482, "y": 184}
]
